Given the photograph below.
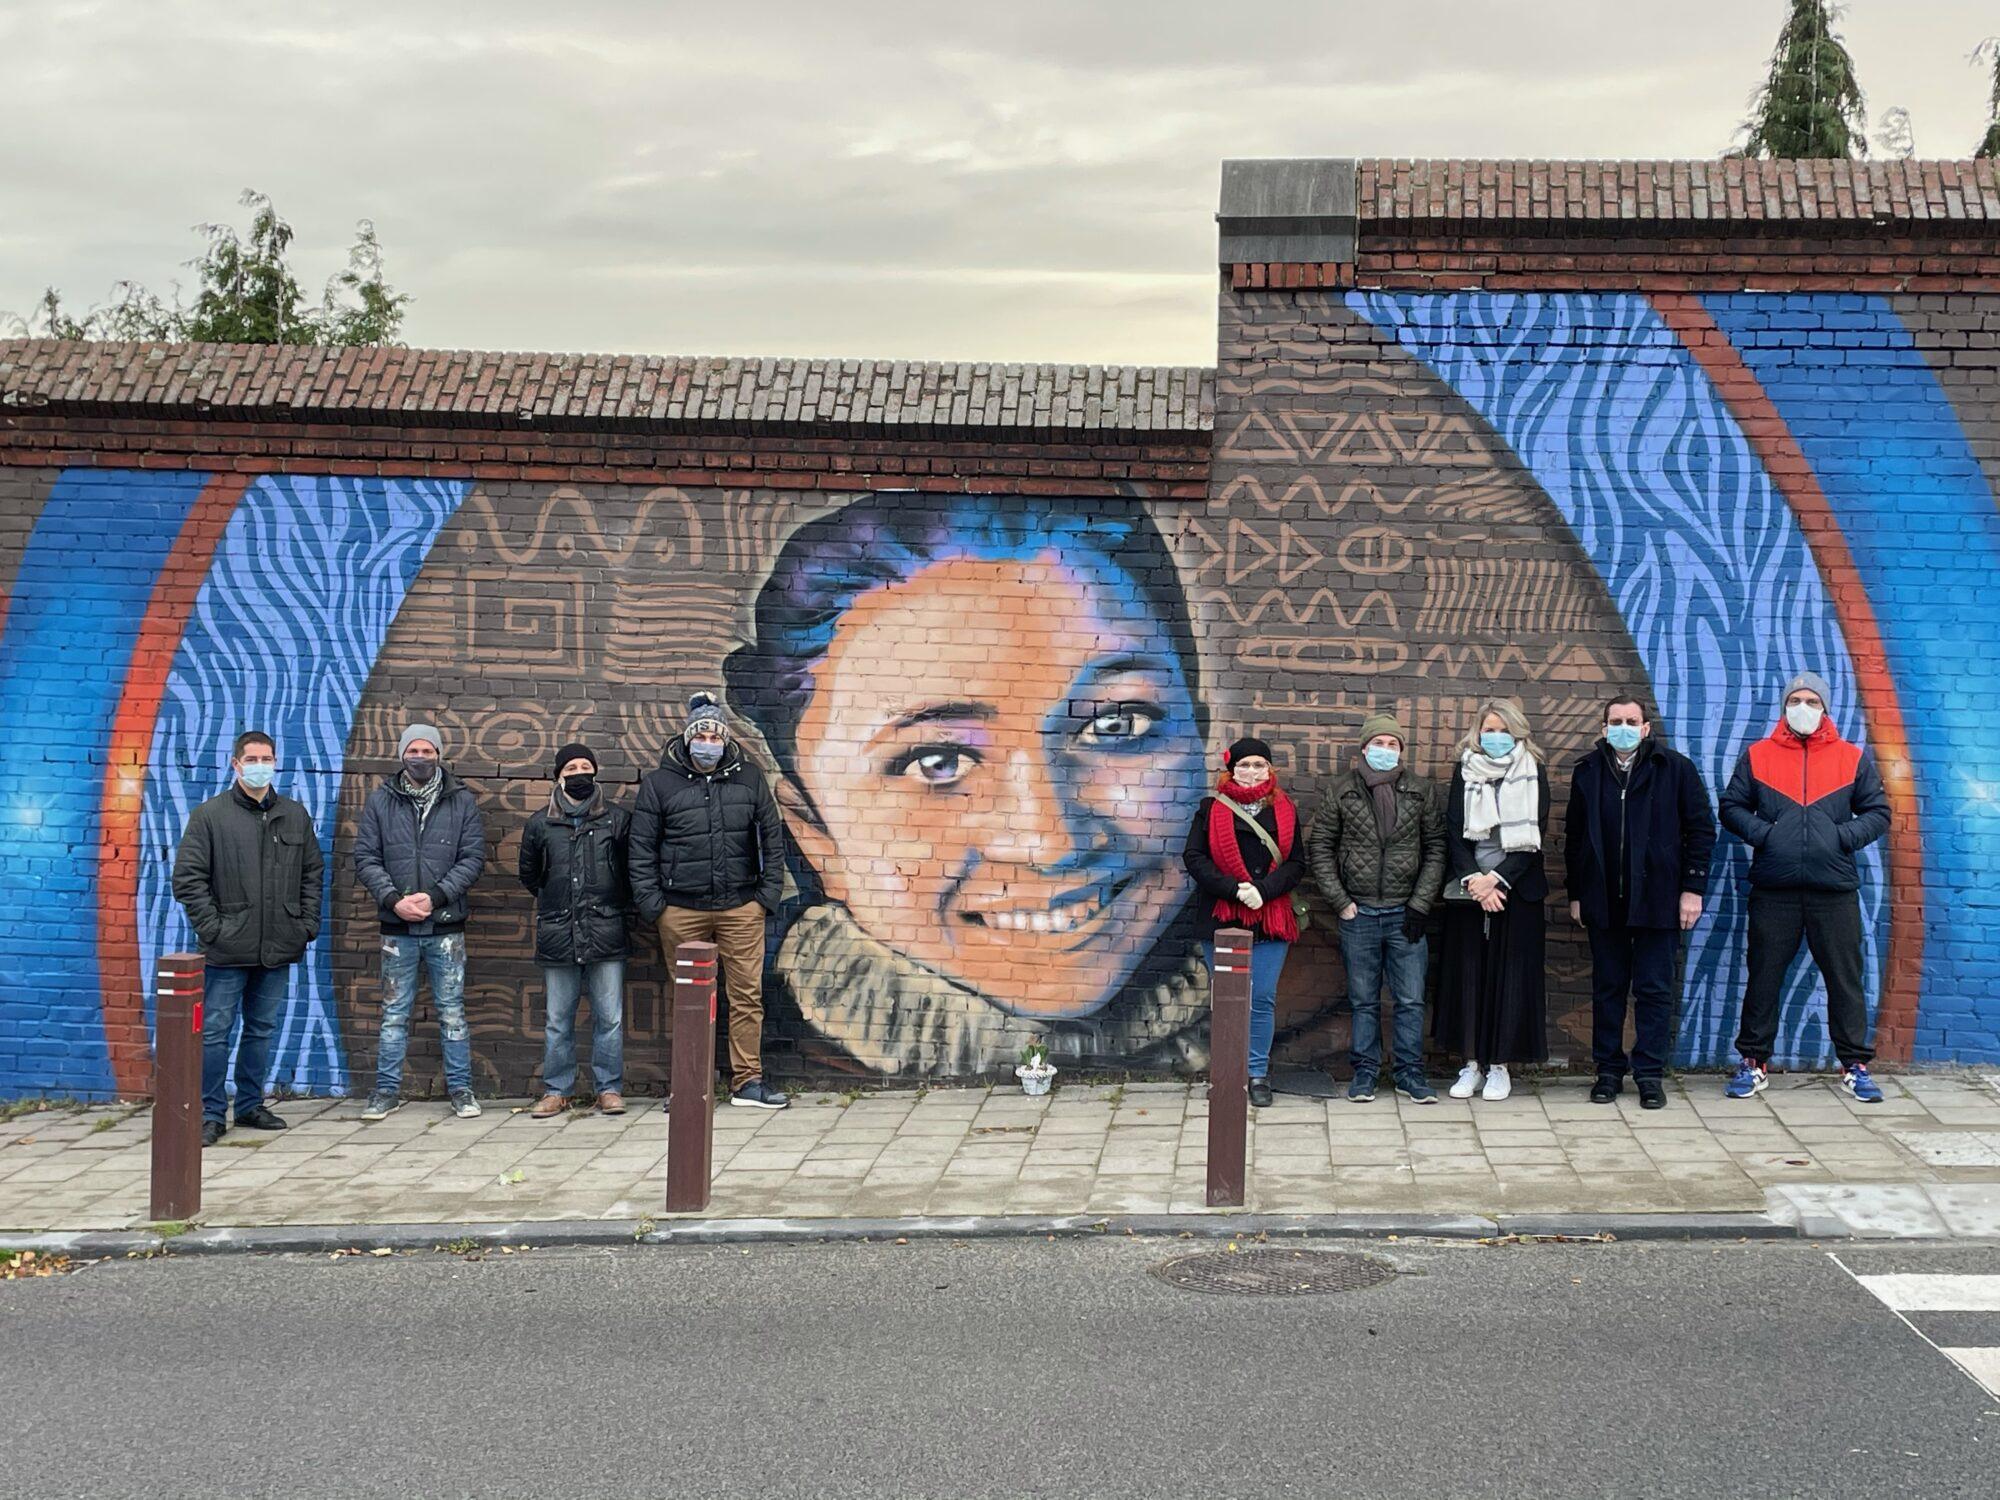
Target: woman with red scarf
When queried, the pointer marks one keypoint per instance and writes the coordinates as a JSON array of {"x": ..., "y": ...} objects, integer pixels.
[{"x": 1244, "y": 854}]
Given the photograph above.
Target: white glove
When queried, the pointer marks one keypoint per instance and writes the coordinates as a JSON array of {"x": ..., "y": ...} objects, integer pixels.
[{"x": 1249, "y": 895}]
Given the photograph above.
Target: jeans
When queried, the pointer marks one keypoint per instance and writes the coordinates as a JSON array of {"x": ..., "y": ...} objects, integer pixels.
[
  {"x": 1639, "y": 961},
  {"x": 1830, "y": 924},
  {"x": 1267, "y": 962},
  {"x": 258, "y": 997},
  {"x": 563, "y": 983},
  {"x": 1373, "y": 947},
  {"x": 443, "y": 954}
]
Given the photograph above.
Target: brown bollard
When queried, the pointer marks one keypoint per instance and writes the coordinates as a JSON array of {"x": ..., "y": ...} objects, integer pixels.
[
  {"x": 691, "y": 1112},
  {"x": 177, "y": 1087},
  {"x": 1228, "y": 1067}
]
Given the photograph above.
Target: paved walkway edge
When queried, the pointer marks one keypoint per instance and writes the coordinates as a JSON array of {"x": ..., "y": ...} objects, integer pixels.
[{"x": 326, "y": 1238}]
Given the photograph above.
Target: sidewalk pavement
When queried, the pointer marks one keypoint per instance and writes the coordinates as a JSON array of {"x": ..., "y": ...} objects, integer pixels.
[{"x": 1926, "y": 1161}]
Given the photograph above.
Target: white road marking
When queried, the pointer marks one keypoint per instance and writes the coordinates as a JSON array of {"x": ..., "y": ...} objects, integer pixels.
[
  {"x": 1983, "y": 1365},
  {"x": 1924, "y": 1293}
]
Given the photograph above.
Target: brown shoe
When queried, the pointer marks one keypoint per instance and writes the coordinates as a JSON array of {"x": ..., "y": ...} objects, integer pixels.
[
  {"x": 611, "y": 1102},
  {"x": 549, "y": 1106}
]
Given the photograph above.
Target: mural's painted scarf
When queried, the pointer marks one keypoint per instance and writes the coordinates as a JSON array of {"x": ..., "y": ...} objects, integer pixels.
[{"x": 1275, "y": 918}]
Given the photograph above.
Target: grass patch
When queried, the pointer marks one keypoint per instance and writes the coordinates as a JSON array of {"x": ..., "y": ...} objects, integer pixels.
[
  {"x": 171, "y": 1229},
  {"x": 14, "y": 1109}
]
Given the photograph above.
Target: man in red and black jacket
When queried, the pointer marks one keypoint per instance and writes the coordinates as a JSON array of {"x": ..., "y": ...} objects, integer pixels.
[{"x": 1807, "y": 802}]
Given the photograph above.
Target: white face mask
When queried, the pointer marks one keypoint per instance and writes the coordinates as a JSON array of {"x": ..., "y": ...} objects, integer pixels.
[{"x": 1803, "y": 718}]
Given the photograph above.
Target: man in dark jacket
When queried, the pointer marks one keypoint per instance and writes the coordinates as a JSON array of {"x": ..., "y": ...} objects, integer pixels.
[
  {"x": 573, "y": 860},
  {"x": 1637, "y": 846},
  {"x": 1807, "y": 801},
  {"x": 420, "y": 846},
  {"x": 708, "y": 863},
  {"x": 248, "y": 873},
  {"x": 1376, "y": 847}
]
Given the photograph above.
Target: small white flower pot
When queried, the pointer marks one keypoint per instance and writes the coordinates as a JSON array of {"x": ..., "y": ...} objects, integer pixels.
[{"x": 1036, "y": 1080}]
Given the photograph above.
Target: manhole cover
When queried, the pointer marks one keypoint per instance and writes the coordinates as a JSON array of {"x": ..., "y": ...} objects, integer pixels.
[{"x": 1275, "y": 1272}]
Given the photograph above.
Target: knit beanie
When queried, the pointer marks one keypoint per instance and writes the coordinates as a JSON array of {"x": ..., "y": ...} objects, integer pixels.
[
  {"x": 419, "y": 732},
  {"x": 1376, "y": 724},
  {"x": 1248, "y": 745},
  {"x": 567, "y": 754},
  {"x": 1810, "y": 682},
  {"x": 705, "y": 716}
]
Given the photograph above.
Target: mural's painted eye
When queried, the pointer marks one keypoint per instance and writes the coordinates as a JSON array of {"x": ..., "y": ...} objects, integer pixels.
[
  {"x": 935, "y": 765},
  {"x": 1121, "y": 726}
]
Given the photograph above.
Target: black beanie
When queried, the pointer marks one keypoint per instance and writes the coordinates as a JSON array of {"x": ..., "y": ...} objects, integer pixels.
[
  {"x": 1248, "y": 745},
  {"x": 569, "y": 753}
]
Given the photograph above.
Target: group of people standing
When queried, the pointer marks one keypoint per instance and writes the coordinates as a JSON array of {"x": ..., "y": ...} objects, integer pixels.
[
  {"x": 1386, "y": 851},
  {"x": 699, "y": 857}
]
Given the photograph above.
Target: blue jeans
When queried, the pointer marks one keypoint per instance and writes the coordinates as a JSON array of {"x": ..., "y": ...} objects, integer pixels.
[
  {"x": 1373, "y": 947},
  {"x": 258, "y": 997},
  {"x": 444, "y": 955},
  {"x": 563, "y": 983},
  {"x": 1267, "y": 962}
]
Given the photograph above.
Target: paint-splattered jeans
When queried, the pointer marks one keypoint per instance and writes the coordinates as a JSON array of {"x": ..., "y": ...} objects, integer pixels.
[{"x": 444, "y": 956}]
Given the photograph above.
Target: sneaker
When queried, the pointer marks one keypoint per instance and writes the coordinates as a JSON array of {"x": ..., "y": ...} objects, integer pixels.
[
  {"x": 1362, "y": 1089},
  {"x": 1607, "y": 1089},
  {"x": 260, "y": 1118},
  {"x": 381, "y": 1106},
  {"x": 1416, "y": 1088},
  {"x": 1652, "y": 1094},
  {"x": 1749, "y": 1078},
  {"x": 1470, "y": 1077},
  {"x": 211, "y": 1131},
  {"x": 464, "y": 1105},
  {"x": 1260, "y": 1093},
  {"x": 1498, "y": 1084},
  {"x": 757, "y": 1094},
  {"x": 1854, "y": 1078}
]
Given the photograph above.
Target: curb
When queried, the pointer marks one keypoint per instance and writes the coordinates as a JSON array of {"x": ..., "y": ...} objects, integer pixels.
[{"x": 308, "y": 1239}]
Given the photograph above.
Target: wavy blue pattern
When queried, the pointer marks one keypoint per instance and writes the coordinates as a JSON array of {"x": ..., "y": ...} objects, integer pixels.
[
  {"x": 1625, "y": 433},
  {"x": 305, "y": 583}
]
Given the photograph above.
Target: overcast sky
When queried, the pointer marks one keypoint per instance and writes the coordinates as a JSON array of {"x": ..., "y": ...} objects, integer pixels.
[{"x": 1027, "y": 180}]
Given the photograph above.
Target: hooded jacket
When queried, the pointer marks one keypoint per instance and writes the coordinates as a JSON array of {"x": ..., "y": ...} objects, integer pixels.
[
  {"x": 1806, "y": 806},
  {"x": 395, "y": 855},
  {"x": 1668, "y": 836},
  {"x": 249, "y": 874},
  {"x": 706, "y": 840},
  {"x": 575, "y": 864}
]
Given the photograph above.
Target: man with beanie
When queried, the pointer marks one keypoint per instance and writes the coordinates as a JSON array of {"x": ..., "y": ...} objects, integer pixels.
[
  {"x": 573, "y": 861},
  {"x": 248, "y": 873},
  {"x": 1806, "y": 801},
  {"x": 708, "y": 863},
  {"x": 1637, "y": 847},
  {"x": 1376, "y": 848},
  {"x": 420, "y": 846}
]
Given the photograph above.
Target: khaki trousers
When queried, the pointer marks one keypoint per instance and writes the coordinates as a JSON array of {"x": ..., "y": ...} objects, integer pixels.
[{"x": 738, "y": 935}]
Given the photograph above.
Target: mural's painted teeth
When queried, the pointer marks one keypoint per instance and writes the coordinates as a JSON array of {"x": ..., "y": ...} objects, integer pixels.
[{"x": 1046, "y": 919}]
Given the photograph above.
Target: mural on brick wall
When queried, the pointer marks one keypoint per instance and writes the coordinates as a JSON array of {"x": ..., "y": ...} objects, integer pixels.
[{"x": 989, "y": 716}]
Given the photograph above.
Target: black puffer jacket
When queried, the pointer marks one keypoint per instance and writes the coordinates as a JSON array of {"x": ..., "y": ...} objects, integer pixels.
[
  {"x": 575, "y": 864},
  {"x": 1352, "y": 861},
  {"x": 706, "y": 840},
  {"x": 249, "y": 875},
  {"x": 394, "y": 858}
]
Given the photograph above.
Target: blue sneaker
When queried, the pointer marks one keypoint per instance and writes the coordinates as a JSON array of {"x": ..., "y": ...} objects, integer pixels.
[
  {"x": 1362, "y": 1089},
  {"x": 1748, "y": 1079},
  {"x": 1854, "y": 1078},
  {"x": 1416, "y": 1088}
]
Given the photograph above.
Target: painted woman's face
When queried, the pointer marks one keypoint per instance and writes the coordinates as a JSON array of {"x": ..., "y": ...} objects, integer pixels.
[{"x": 1003, "y": 754}]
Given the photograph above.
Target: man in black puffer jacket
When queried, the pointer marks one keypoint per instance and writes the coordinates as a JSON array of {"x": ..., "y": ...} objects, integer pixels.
[
  {"x": 708, "y": 863},
  {"x": 573, "y": 859}
]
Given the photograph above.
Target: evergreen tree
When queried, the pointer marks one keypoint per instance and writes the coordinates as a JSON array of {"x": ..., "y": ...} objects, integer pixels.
[
  {"x": 1810, "y": 104},
  {"x": 1988, "y": 51}
]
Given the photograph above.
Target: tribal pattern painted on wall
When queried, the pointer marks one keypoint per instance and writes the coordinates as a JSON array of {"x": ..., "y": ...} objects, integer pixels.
[{"x": 990, "y": 716}]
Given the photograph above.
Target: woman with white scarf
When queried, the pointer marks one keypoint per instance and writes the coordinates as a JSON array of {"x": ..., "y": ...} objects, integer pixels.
[{"x": 1493, "y": 994}]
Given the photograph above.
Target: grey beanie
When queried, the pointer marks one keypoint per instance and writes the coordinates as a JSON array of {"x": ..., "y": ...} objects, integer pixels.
[
  {"x": 419, "y": 732},
  {"x": 704, "y": 713},
  {"x": 1811, "y": 682}
]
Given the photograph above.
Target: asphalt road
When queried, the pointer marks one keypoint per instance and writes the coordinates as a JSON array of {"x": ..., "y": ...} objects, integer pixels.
[{"x": 1051, "y": 1369}]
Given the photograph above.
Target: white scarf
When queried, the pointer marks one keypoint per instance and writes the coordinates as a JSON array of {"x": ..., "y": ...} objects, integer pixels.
[{"x": 1503, "y": 794}]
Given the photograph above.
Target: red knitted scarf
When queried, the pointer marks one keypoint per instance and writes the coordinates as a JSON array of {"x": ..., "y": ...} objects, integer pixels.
[{"x": 1274, "y": 919}]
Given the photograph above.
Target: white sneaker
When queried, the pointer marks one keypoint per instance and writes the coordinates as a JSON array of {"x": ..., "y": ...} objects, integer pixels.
[
  {"x": 1498, "y": 1084},
  {"x": 1469, "y": 1079}
]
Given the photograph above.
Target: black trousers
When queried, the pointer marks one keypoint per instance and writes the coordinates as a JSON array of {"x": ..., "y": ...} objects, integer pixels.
[
  {"x": 1830, "y": 924},
  {"x": 1638, "y": 962}
]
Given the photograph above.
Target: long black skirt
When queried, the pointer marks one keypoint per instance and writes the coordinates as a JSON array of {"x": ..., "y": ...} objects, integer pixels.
[{"x": 1492, "y": 987}]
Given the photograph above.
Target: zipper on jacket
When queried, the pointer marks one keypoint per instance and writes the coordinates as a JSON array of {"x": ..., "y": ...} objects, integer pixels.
[{"x": 1624, "y": 848}]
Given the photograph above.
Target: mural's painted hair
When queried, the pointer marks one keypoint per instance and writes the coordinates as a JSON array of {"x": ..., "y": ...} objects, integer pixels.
[{"x": 885, "y": 539}]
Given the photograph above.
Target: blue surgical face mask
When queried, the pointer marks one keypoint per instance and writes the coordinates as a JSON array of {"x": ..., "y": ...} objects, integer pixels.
[
  {"x": 257, "y": 775},
  {"x": 1381, "y": 757},
  {"x": 705, "y": 757},
  {"x": 1624, "y": 738},
  {"x": 1497, "y": 743}
]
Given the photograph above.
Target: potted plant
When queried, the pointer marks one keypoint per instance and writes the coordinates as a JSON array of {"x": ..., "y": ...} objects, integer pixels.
[{"x": 1036, "y": 1071}]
